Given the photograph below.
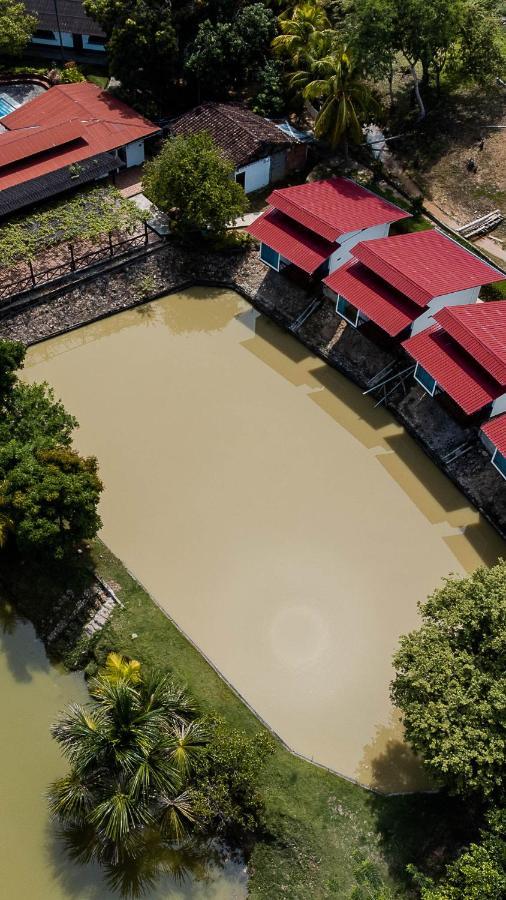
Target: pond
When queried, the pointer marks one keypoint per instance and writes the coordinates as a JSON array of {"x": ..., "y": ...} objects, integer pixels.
[
  {"x": 287, "y": 526},
  {"x": 33, "y": 861}
]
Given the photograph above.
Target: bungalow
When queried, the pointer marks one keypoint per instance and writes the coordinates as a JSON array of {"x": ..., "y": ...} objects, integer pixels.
[
  {"x": 67, "y": 136},
  {"x": 463, "y": 357},
  {"x": 260, "y": 151},
  {"x": 64, "y": 24},
  {"x": 493, "y": 435},
  {"x": 315, "y": 226},
  {"x": 399, "y": 283}
]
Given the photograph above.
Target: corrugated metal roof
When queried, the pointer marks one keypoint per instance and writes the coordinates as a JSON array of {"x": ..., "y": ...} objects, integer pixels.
[
  {"x": 495, "y": 430},
  {"x": 455, "y": 372},
  {"x": 240, "y": 133},
  {"x": 480, "y": 328},
  {"x": 103, "y": 123},
  {"x": 334, "y": 207},
  {"x": 71, "y": 16},
  {"x": 301, "y": 247},
  {"x": 425, "y": 264},
  {"x": 30, "y": 142},
  {"x": 381, "y": 303}
]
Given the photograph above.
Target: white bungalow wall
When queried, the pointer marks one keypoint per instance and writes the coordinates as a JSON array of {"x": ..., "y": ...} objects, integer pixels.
[
  {"x": 457, "y": 298},
  {"x": 257, "y": 174},
  {"x": 348, "y": 241},
  {"x": 498, "y": 406},
  {"x": 134, "y": 154}
]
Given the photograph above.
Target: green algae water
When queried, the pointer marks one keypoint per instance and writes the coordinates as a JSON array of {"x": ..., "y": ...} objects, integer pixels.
[
  {"x": 34, "y": 864},
  {"x": 287, "y": 526}
]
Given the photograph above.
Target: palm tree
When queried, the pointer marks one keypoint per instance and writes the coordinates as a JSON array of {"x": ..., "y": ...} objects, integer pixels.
[
  {"x": 131, "y": 752},
  {"x": 300, "y": 29},
  {"x": 345, "y": 100}
]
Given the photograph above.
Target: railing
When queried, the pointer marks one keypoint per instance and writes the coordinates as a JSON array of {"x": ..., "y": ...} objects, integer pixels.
[{"x": 110, "y": 250}]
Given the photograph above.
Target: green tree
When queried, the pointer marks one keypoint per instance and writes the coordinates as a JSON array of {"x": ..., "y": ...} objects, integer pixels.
[
  {"x": 450, "y": 683},
  {"x": 50, "y": 495},
  {"x": 12, "y": 356},
  {"x": 345, "y": 100},
  {"x": 142, "y": 45},
  {"x": 300, "y": 28},
  {"x": 16, "y": 27},
  {"x": 479, "y": 873},
  {"x": 270, "y": 97},
  {"x": 227, "y": 54},
  {"x": 191, "y": 179},
  {"x": 131, "y": 753}
]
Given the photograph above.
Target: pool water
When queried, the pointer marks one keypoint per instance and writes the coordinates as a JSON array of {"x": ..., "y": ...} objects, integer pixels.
[{"x": 6, "y": 107}]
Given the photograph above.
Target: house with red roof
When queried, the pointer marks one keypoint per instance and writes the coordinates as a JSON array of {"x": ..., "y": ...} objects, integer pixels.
[
  {"x": 493, "y": 435},
  {"x": 462, "y": 356},
  {"x": 314, "y": 227},
  {"x": 69, "y": 135},
  {"x": 400, "y": 283}
]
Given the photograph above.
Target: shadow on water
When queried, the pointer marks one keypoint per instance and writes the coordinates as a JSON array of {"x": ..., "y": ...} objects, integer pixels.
[
  {"x": 389, "y": 765},
  {"x": 281, "y": 352},
  {"x": 24, "y": 655},
  {"x": 155, "y": 868}
]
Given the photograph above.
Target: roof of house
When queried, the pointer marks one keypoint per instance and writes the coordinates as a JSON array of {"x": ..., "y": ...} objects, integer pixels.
[
  {"x": 63, "y": 126},
  {"x": 495, "y": 430},
  {"x": 454, "y": 370},
  {"x": 303, "y": 248},
  {"x": 480, "y": 328},
  {"x": 242, "y": 135},
  {"x": 335, "y": 207},
  {"x": 425, "y": 264},
  {"x": 71, "y": 16},
  {"x": 376, "y": 299}
]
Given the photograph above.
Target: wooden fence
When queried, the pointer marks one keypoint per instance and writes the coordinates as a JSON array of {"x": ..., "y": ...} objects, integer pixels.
[{"x": 109, "y": 250}]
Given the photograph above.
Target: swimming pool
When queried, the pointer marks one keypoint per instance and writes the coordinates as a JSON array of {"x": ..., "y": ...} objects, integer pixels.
[{"x": 6, "y": 106}]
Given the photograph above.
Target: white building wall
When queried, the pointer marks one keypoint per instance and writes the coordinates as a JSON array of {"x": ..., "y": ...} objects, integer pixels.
[
  {"x": 257, "y": 174},
  {"x": 458, "y": 298},
  {"x": 498, "y": 406},
  {"x": 66, "y": 40},
  {"x": 134, "y": 153},
  {"x": 348, "y": 241}
]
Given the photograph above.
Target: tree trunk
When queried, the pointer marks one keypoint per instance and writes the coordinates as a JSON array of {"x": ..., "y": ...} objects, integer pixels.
[
  {"x": 313, "y": 112},
  {"x": 391, "y": 82},
  {"x": 346, "y": 151},
  {"x": 418, "y": 95}
]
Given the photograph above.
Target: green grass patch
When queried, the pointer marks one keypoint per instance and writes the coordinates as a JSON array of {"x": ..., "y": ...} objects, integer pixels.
[
  {"x": 325, "y": 835},
  {"x": 85, "y": 216}
]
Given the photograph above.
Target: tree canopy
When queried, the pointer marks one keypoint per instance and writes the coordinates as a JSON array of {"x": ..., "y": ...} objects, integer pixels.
[
  {"x": 192, "y": 181},
  {"x": 16, "y": 27},
  {"x": 450, "y": 683}
]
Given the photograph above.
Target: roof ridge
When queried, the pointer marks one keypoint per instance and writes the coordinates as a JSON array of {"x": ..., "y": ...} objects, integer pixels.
[
  {"x": 396, "y": 268},
  {"x": 309, "y": 212},
  {"x": 476, "y": 337}
]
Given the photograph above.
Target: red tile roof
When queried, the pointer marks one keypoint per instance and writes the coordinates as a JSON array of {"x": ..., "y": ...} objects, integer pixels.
[
  {"x": 335, "y": 207},
  {"x": 495, "y": 430},
  {"x": 240, "y": 133},
  {"x": 301, "y": 247},
  {"x": 425, "y": 264},
  {"x": 100, "y": 122},
  {"x": 480, "y": 328},
  {"x": 455, "y": 372},
  {"x": 380, "y": 303}
]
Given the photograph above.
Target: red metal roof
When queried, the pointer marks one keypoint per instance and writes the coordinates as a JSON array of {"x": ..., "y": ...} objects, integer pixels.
[
  {"x": 301, "y": 247},
  {"x": 480, "y": 328},
  {"x": 335, "y": 207},
  {"x": 30, "y": 142},
  {"x": 425, "y": 264},
  {"x": 495, "y": 430},
  {"x": 101, "y": 122},
  {"x": 381, "y": 303},
  {"x": 455, "y": 372}
]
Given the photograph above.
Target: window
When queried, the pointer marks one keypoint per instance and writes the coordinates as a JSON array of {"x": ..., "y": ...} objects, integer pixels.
[
  {"x": 96, "y": 40},
  {"x": 499, "y": 461},
  {"x": 347, "y": 311},
  {"x": 45, "y": 35},
  {"x": 428, "y": 383},
  {"x": 240, "y": 178},
  {"x": 269, "y": 256}
]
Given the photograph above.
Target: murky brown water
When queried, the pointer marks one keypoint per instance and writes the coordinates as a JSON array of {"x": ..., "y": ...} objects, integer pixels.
[
  {"x": 33, "y": 863},
  {"x": 286, "y": 525}
]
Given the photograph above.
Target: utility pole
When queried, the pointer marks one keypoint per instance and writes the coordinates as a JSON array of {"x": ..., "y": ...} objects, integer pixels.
[{"x": 55, "y": 4}]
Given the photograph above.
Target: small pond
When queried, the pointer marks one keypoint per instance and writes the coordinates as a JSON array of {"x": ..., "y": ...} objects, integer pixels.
[{"x": 33, "y": 861}]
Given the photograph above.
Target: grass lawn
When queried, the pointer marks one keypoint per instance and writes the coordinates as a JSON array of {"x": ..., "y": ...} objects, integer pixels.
[{"x": 325, "y": 835}]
